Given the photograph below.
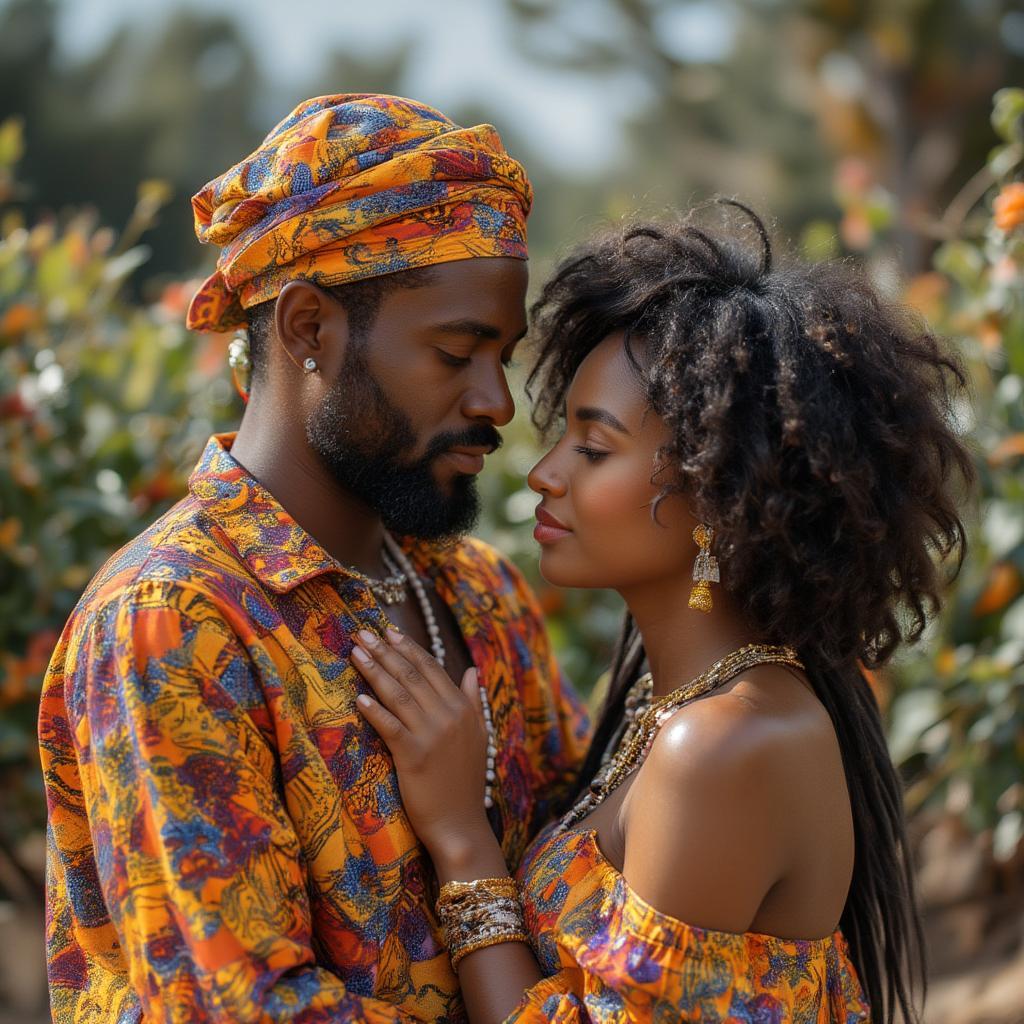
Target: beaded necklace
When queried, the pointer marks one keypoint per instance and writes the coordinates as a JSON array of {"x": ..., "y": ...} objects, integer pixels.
[
  {"x": 636, "y": 741},
  {"x": 401, "y": 560}
]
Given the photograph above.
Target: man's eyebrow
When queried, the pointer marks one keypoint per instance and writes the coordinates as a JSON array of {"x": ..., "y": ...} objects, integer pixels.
[
  {"x": 476, "y": 328},
  {"x": 589, "y": 413}
]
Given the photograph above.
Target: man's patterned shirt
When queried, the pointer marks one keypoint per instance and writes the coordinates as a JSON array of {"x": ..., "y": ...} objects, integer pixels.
[{"x": 226, "y": 840}]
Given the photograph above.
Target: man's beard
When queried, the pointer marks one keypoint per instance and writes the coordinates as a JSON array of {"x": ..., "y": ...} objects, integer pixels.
[{"x": 362, "y": 438}]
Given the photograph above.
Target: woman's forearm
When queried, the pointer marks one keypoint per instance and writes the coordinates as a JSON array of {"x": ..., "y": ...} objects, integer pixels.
[{"x": 492, "y": 979}]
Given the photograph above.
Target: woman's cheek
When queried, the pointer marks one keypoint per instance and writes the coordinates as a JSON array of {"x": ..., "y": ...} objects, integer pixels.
[{"x": 613, "y": 518}]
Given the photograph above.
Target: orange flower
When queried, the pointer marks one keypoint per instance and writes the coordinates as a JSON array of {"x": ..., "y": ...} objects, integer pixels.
[
  {"x": 926, "y": 293},
  {"x": 10, "y": 530},
  {"x": 19, "y": 318},
  {"x": 855, "y": 229},
  {"x": 990, "y": 333},
  {"x": 853, "y": 177},
  {"x": 17, "y": 673},
  {"x": 175, "y": 298},
  {"x": 1003, "y": 586},
  {"x": 1009, "y": 206},
  {"x": 1009, "y": 448},
  {"x": 945, "y": 661},
  {"x": 40, "y": 647}
]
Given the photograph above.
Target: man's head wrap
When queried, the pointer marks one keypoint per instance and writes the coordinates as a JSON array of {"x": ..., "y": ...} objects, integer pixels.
[{"x": 355, "y": 186}]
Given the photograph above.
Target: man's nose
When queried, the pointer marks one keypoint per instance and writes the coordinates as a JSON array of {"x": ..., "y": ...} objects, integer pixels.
[{"x": 490, "y": 398}]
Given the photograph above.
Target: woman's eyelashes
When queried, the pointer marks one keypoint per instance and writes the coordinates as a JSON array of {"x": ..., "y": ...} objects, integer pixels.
[{"x": 590, "y": 454}]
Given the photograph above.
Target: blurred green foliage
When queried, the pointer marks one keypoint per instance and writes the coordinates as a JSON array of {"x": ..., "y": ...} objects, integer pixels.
[
  {"x": 103, "y": 405},
  {"x": 958, "y": 708}
]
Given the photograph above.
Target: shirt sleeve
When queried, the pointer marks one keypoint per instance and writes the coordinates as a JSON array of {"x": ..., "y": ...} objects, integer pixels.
[{"x": 199, "y": 867}]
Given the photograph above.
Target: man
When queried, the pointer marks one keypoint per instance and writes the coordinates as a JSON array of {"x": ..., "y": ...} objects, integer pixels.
[{"x": 226, "y": 837}]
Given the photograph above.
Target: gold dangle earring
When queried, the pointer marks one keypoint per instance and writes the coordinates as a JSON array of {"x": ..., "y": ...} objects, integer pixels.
[{"x": 705, "y": 570}]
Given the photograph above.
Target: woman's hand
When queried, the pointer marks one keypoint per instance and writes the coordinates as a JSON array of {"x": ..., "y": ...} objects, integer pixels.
[{"x": 436, "y": 734}]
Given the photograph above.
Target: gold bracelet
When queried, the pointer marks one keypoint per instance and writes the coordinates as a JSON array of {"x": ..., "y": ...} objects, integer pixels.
[
  {"x": 453, "y": 892},
  {"x": 475, "y": 915},
  {"x": 484, "y": 943}
]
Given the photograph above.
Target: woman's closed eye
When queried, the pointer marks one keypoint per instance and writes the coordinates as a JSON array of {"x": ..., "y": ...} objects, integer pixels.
[{"x": 591, "y": 454}]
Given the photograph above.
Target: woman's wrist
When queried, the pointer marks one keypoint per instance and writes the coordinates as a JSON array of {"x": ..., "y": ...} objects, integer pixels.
[{"x": 465, "y": 856}]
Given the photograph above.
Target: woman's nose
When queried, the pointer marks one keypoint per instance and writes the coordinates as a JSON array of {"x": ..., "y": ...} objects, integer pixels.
[{"x": 545, "y": 477}]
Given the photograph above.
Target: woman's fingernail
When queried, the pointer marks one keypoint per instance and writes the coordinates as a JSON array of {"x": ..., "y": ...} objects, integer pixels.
[
  {"x": 363, "y": 701},
  {"x": 367, "y": 638},
  {"x": 361, "y": 656},
  {"x": 393, "y": 634}
]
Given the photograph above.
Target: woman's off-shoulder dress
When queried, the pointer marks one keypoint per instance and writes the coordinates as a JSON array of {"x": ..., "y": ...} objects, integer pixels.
[{"x": 611, "y": 958}]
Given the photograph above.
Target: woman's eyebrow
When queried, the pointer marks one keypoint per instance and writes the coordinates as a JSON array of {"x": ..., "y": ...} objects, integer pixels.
[{"x": 589, "y": 413}]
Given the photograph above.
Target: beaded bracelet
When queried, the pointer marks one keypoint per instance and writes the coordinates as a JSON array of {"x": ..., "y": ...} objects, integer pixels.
[{"x": 475, "y": 915}]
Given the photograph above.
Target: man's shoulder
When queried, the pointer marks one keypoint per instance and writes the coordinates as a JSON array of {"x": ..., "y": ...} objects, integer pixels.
[{"x": 181, "y": 551}]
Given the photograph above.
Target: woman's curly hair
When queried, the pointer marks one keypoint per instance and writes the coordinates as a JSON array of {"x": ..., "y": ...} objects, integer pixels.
[{"x": 813, "y": 426}]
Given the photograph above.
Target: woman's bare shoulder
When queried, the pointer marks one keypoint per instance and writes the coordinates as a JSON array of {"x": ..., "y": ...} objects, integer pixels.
[{"x": 707, "y": 832}]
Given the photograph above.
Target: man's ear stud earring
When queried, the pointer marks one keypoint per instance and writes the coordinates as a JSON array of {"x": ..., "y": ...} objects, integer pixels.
[{"x": 309, "y": 365}]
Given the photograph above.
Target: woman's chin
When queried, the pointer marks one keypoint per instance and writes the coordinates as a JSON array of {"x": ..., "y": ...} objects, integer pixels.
[{"x": 559, "y": 571}]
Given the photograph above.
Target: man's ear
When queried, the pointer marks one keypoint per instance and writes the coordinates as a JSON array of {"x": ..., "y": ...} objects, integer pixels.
[{"x": 311, "y": 324}]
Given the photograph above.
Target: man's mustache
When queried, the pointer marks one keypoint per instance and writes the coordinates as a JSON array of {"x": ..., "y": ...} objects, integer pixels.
[{"x": 480, "y": 435}]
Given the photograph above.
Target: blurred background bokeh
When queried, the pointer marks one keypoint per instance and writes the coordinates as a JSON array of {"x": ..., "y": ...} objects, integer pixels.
[{"x": 888, "y": 132}]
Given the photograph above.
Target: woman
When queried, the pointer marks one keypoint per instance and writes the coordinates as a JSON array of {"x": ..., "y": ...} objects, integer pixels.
[{"x": 761, "y": 462}]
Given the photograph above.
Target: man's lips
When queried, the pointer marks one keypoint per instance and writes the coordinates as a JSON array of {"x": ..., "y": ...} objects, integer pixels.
[
  {"x": 468, "y": 459},
  {"x": 548, "y": 528}
]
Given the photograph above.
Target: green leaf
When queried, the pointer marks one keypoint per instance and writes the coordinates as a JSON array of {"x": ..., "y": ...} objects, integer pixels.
[
  {"x": 1008, "y": 114},
  {"x": 1003, "y": 159},
  {"x": 12, "y": 142},
  {"x": 964, "y": 262},
  {"x": 819, "y": 241}
]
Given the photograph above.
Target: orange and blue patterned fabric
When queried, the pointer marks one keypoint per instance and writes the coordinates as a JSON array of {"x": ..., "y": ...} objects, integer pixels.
[
  {"x": 354, "y": 186},
  {"x": 226, "y": 840},
  {"x": 612, "y": 958}
]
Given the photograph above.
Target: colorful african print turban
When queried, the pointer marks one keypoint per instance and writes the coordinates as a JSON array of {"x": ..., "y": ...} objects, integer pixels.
[{"x": 355, "y": 186}]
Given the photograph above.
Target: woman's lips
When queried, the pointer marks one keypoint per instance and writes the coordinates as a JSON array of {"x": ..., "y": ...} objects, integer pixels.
[{"x": 548, "y": 528}]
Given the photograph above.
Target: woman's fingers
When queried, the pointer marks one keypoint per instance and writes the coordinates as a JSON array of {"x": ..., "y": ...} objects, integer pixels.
[
  {"x": 395, "y": 696},
  {"x": 413, "y": 687},
  {"x": 423, "y": 663},
  {"x": 389, "y": 728},
  {"x": 470, "y": 687}
]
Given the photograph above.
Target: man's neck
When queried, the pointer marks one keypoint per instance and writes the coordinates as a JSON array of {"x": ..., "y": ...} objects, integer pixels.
[{"x": 345, "y": 527}]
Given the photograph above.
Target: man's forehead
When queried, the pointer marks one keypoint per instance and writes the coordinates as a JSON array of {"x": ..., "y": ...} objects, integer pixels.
[{"x": 480, "y": 297}]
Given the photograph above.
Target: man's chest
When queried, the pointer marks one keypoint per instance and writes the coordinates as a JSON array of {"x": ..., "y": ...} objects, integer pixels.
[{"x": 337, "y": 775}]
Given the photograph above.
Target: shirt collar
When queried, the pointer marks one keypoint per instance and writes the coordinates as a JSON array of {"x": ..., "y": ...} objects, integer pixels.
[{"x": 279, "y": 552}]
